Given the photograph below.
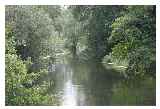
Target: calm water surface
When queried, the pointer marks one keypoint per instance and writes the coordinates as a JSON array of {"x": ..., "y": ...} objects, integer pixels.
[{"x": 93, "y": 84}]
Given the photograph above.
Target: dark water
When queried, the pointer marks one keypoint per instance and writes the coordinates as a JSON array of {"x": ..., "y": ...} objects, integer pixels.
[{"x": 93, "y": 84}]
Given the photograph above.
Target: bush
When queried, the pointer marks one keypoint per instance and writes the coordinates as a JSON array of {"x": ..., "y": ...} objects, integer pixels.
[{"x": 19, "y": 88}]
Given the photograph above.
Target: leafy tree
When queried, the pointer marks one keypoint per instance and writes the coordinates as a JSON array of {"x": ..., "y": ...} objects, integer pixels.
[
  {"x": 29, "y": 32},
  {"x": 133, "y": 38},
  {"x": 34, "y": 29},
  {"x": 97, "y": 21},
  {"x": 71, "y": 31}
]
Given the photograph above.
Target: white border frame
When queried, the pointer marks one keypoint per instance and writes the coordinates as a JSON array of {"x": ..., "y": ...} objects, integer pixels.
[
  {"x": 2, "y": 56},
  {"x": 78, "y": 2}
]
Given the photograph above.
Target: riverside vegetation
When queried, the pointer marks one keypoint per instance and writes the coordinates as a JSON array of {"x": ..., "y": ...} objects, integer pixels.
[{"x": 121, "y": 39}]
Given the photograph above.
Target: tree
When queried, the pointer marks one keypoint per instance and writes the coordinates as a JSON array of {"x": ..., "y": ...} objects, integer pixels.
[
  {"x": 16, "y": 74},
  {"x": 71, "y": 31},
  {"x": 33, "y": 29},
  {"x": 29, "y": 37},
  {"x": 133, "y": 38},
  {"x": 97, "y": 21}
]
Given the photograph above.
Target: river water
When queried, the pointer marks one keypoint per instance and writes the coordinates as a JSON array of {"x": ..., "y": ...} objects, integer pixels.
[{"x": 89, "y": 84}]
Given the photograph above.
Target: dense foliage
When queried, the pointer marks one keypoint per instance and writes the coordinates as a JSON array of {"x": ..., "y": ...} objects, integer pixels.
[
  {"x": 29, "y": 30},
  {"x": 122, "y": 36},
  {"x": 34, "y": 30},
  {"x": 134, "y": 38}
]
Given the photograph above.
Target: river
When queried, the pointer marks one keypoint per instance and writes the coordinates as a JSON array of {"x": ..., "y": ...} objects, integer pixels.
[{"x": 88, "y": 84}]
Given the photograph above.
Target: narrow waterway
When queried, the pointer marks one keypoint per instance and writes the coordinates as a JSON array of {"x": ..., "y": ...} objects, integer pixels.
[{"x": 93, "y": 84}]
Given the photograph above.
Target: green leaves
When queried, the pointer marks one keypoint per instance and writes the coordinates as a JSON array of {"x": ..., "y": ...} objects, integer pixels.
[
  {"x": 16, "y": 92},
  {"x": 27, "y": 28},
  {"x": 10, "y": 41},
  {"x": 133, "y": 38},
  {"x": 33, "y": 28}
]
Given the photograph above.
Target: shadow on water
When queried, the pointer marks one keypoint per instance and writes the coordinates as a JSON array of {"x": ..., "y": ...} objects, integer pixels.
[{"x": 92, "y": 84}]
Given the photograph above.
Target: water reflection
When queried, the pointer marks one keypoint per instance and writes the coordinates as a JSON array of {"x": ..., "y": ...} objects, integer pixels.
[
  {"x": 69, "y": 96},
  {"x": 92, "y": 84}
]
